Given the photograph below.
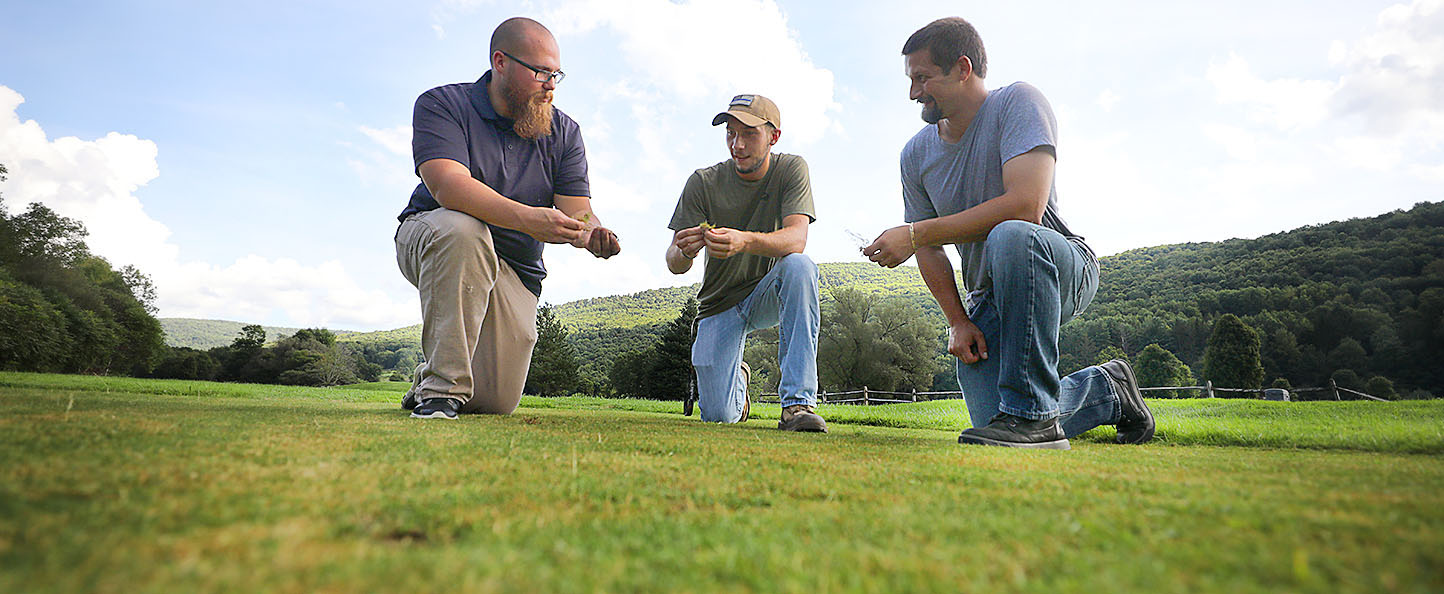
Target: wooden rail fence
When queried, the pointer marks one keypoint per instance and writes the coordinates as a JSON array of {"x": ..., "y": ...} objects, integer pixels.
[{"x": 867, "y": 396}]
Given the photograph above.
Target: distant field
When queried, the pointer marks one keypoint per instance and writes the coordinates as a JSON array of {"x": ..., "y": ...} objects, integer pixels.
[{"x": 122, "y": 485}]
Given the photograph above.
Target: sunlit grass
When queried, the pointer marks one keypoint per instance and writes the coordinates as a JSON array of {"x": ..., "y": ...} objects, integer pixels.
[{"x": 128, "y": 485}]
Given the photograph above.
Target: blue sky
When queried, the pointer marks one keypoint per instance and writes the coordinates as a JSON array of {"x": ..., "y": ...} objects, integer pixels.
[{"x": 252, "y": 157}]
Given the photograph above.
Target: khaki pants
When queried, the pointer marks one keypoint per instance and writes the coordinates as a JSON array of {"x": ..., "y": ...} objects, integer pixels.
[{"x": 478, "y": 322}]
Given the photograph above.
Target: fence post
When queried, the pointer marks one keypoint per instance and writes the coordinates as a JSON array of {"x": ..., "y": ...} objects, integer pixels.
[
  {"x": 915, "y": 394},
  {"x": 822, "y": 396},
  {"x": 1209, "y": 384},
  {"x": 1334, "y": 388},
  {"x": 864, "y": 395}
]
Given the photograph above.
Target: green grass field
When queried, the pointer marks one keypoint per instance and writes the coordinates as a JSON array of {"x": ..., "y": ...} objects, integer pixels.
[{"x": 123, "y": 485}]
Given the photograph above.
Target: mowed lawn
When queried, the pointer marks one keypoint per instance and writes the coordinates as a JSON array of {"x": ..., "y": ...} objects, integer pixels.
[{"x": 119, "y": 485}]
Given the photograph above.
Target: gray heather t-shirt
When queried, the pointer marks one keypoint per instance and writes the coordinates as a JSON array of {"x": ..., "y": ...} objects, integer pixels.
[{"x": 940, "y": 179}]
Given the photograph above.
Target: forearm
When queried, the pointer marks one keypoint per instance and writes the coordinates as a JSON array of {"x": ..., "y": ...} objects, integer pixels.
[
  {"x": 579, "y": 208},
  {"x": 468, "y": 195},
  {"x": 937, "y": 273},
  {"x": 975, "y": 223},
  {"x": 677, "y": 262},
  {"x": 777, "y": 244}
]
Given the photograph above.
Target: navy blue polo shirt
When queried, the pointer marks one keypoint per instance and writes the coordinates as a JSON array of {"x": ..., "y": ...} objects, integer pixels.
[{"x": 457, "y": 122}]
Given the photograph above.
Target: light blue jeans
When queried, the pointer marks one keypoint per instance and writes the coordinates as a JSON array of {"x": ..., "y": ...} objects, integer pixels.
[
  {"x": 1040, "y": 281},
  {"x": 786, "y": 296}
]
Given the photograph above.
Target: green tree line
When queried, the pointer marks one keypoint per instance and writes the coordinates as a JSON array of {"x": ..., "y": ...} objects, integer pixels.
[{"x": 63, "y": 309}]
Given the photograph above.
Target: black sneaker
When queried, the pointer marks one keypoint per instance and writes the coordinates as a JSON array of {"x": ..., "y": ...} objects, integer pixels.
[
  {"x": 408, "y": 402},
  {"x": 435, "y": 408},
  {"x": 1135, "y": 421},
  {"x": 801, "y": 417},
  {"x": 1017, "y": 432}
]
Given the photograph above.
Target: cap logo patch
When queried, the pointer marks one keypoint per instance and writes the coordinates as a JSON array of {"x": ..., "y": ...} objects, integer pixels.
[{"x": 744, "y": 100}]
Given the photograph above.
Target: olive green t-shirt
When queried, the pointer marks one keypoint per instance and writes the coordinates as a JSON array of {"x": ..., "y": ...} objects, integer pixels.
[{"x": 718, "y": 196}]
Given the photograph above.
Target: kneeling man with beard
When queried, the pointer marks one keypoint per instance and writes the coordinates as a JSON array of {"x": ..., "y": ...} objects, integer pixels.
[{"x": 502, "y": 173}]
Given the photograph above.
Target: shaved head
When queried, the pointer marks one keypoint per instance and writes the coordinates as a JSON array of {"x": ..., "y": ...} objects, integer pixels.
[{"x": 516, "y": 33}]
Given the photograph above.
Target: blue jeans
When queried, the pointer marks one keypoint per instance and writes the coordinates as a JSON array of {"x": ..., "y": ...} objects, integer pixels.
[
  {"x": 786, "y": 296},
  {"x": 1040, "y": 281}
]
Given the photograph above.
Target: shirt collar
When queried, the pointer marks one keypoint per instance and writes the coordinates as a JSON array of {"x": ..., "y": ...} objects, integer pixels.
[{"x": 481, "y": 100}]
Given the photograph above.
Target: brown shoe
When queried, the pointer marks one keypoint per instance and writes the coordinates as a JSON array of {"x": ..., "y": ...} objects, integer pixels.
[
  {"x": 746, "y": 399},
  {"x": 800, "y": 417}
]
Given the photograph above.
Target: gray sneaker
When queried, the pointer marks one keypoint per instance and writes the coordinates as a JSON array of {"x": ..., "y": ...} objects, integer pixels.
[{"x": 800, "y": 417}]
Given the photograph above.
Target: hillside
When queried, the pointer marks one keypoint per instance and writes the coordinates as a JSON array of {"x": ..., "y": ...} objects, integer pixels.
[
  {"x": 1358, "y": 301},
  {"x": 1351, "y": 299},
  {"x": 207, "y": 334}
]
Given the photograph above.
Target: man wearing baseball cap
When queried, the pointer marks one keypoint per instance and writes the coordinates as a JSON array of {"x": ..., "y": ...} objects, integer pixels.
[{"x": 750, "y": 214}]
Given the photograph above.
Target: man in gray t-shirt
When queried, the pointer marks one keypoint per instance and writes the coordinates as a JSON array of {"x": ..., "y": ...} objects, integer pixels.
[{"x": 980, "y": 177}]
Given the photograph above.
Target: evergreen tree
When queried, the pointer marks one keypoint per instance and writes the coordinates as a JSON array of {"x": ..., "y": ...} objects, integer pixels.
[
  {"x": 670, "y": 369},
  {"x": 1232, "y": 357},
  {"x": 1156, "y": 367},
  {"x": 553, "y": 361}
]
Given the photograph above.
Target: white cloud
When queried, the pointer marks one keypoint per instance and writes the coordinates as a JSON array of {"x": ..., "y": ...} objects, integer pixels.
[
  {"x": 1285, "y": 103},
  {"x": 96, "y": 182},
  {"x": 397, "y": 139},
  {"x": 1107, "y": 99},
  {"x": 711, "y": 50},
  {"x": 1387, "y": 103}
]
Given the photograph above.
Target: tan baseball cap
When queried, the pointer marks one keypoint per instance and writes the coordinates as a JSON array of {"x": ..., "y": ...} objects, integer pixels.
[{"x": 752, "y": 111}]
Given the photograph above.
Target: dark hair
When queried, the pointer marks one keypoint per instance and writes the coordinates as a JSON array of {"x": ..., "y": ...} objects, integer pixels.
[
  {"x": 947, "y": 39},
  {"x": 509, "y": 34}
]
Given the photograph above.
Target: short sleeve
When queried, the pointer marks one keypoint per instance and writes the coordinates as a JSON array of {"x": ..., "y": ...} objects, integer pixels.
[
  {"x": 1028, "y": 123},
  {"x": 436, "y": 131},
  {"x": 796, "y": 190},
  {"x": 689, "y": 212},
  {"x": 916, "y": 205},
  {"x": 571, "y": 177}
]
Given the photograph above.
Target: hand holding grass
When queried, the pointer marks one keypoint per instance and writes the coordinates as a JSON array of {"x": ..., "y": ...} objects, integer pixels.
[
  {"x": 689, "y": 241},
  {"x": 723, "y": 242},
  {"x": 598, "y": 240}
]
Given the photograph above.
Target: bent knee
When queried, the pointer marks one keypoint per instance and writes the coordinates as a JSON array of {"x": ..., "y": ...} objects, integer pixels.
[
  {"x": 798, "y": 266},
  {"x": 452, "y": 226}
]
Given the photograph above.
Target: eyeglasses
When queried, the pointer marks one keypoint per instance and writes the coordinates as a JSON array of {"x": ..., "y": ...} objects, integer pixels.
[{"x": 540, "y": 75}]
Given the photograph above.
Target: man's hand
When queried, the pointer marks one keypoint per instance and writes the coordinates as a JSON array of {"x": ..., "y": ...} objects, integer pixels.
[
  {"x": 965, "y": 341},
  {"x": 891, "y": 248},
  {"x": 689, "y": 241},
  {"x": 600, "y": 241},
  {"x": 551, "y": 225},
  {"x": 723, "y": 242}
]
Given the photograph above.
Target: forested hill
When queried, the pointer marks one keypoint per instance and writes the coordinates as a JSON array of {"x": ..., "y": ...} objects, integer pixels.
[
  {"x": 1350, "y": 300},
  {"x": 1355, "y": 300},
  {"x": 600, "y": 326},
  {"x": 208, "y": 334}
]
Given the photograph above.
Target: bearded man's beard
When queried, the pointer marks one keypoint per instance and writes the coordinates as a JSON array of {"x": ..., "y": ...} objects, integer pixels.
[
  {"x": 932, "y": 114},
  {"x": 533, "y": 114}
]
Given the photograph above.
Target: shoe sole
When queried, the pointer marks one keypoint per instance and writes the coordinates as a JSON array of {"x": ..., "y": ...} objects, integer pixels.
[
  {"x": 434, "y": 415},
  {"x": 1152, "y": 425},
  {"x": 1061, "y": 444},
  {"x": 805, "y": 426}
]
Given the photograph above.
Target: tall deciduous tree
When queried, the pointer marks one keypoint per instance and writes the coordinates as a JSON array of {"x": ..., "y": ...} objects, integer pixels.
[
  {"x": 1232, "y": 357},
  {"x": 1156, "y": 367},
  {"x": 554, "y": 361},
  {"x": 881, "y": 344}
]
